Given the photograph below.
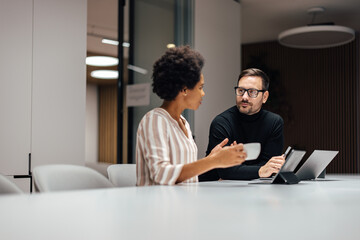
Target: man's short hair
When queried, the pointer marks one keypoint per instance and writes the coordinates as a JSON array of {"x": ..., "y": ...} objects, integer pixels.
[{"x": 254, "y": 72}]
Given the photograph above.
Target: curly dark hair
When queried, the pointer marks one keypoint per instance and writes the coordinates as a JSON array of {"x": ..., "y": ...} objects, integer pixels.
[{"x": 179, "y": 67}]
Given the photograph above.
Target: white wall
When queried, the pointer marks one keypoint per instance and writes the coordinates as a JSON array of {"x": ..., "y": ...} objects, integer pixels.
[
  {"x": 59, "y": 82},
  {"x": 217, "y": 38},
  {"x": 15, "y": 90},
  {"x": 92, "y": 123},
  {"x": 43, "y": 79}
]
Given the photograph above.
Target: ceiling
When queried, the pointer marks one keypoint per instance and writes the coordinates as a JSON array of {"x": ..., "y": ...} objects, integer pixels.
[
  {"x": 102, "y": 20},
  {"x": 261, "y": 20}
]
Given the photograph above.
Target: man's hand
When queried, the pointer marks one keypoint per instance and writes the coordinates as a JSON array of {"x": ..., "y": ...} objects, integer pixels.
[{"x": 272, "y": 166}]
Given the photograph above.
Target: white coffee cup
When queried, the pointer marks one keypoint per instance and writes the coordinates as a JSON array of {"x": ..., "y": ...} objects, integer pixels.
[{"x": 252, "y": 150}]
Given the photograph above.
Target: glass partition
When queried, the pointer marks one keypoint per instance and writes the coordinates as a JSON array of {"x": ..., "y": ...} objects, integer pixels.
[{"x": 153, "y": 25}]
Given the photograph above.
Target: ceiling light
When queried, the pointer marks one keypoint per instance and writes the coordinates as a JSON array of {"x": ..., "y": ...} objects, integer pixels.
[
  {"x": 110, "y": 41},
  {"x": 137, "y": 69},
  {"x": 114, "y": 42},
  {"x": 102, "y": 61},
  {"x": 316, "y": 35},
  {"x": 105, "y": 74},
  {"x": 170, "y": 45},
  {"x": 126, "y": 44},
  {"x": 107, "y": 40}
]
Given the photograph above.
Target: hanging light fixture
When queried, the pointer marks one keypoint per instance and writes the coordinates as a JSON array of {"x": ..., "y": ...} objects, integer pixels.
[
  {"x": 312, "y": 36},
  {"x": 102, "y": 61},
  {"x": 105, "y": 74}
]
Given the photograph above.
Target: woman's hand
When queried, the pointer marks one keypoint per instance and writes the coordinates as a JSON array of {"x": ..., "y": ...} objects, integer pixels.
[
  {"x": 219, "y": 146},
  {"x": 219, "y": 157},
  {"x": 228, "y": 156}
]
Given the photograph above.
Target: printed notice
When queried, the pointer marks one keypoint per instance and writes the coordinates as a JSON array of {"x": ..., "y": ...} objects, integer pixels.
[{"x": 138, "y": 95}]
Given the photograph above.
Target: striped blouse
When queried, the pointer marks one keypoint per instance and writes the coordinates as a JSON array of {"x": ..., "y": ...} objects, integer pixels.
[{"x": 162, "y": 149}]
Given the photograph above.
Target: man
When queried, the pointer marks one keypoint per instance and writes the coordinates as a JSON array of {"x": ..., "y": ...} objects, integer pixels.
[{"x": 245, "y": 123}]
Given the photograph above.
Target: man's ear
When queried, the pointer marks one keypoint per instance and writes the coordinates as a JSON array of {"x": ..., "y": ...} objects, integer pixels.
[{"x": 265, "y": 97}]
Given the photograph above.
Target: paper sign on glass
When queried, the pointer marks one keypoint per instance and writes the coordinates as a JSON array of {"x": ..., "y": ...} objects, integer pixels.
[{"x": 138, "y": 95}]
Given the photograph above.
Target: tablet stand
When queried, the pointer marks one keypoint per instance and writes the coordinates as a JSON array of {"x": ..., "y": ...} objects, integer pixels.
[
  {"x": 322, "y": 174},
  {"x": 286, "y": 178}
]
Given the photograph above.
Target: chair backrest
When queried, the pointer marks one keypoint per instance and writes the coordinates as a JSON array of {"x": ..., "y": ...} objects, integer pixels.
[
  {"x": 100, "y": 167},
  {"x": 8, "y": 187},
  {"x": 122, "y": 175},
  {"x": 49, "y": 178}
]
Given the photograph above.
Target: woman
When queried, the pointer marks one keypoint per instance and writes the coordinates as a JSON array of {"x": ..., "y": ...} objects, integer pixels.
[{"x": 165, "y": 149}]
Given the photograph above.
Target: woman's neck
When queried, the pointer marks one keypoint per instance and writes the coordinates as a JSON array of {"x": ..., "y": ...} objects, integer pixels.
[{"x": 173, "y": 108}]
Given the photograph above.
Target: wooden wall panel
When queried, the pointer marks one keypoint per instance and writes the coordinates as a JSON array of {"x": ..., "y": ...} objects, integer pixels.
[
  {"x": 108, "y": 124},
  {"x": 315, "y": 91}
]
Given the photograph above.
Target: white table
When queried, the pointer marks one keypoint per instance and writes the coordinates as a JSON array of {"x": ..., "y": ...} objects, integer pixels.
[{"x": 212, "y": 210}]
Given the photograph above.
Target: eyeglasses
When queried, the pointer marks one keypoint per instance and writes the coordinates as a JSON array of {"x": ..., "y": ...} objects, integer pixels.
[{"x": 252, "y": 92}]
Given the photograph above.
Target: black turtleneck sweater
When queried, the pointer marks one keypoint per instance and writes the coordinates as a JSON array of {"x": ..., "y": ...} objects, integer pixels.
[{"x": 264, "y": 127}]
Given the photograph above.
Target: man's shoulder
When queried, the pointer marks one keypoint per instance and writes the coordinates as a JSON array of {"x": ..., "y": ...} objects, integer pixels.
[
  {"x": 228, "y": 112},
  {"x": 225, "y": 116},
  {"x": 271, "y": 116}
]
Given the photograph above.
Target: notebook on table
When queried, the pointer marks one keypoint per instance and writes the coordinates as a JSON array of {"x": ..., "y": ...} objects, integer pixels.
[{"x": 315, "y": 164}]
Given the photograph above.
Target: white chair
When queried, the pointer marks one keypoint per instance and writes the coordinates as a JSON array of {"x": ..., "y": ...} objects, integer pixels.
[
  {"x": 8, "y": 187},
  {"x": 101, "y": 167},
  {"x": 122, "y": 175},
  {"x": 49, "y": 178}
]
